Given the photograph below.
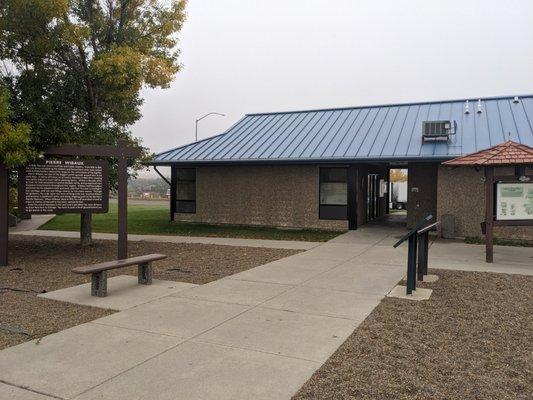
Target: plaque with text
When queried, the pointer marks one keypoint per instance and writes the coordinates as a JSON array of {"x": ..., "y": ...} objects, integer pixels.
[
  {"x": 514, "y": 201},
  {"x": 66, "y": 186}
]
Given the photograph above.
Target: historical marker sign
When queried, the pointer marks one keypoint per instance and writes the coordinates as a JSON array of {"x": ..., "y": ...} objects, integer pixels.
[{"x": 67, "y": 185}]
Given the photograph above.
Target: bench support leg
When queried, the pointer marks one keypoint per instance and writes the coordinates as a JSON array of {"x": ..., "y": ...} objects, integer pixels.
[
  {"x": 145, "y": 274},
  {"x": 99, "y": 284}
]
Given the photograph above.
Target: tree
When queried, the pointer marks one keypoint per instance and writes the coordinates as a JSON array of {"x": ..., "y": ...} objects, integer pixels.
[
  {"x": 15, "y": 148},
  {"x": 76, "y": 67},
  {"x": 398, "y": 175}
]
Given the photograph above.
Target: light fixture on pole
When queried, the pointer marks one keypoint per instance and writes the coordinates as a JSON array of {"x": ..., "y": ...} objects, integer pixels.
[{"x": 201, "y": 118}]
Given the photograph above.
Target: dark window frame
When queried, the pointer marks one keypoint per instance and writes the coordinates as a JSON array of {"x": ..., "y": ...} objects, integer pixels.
[
  {"x": 190, "y": 204},
  {"x": 332, "y": 211}
]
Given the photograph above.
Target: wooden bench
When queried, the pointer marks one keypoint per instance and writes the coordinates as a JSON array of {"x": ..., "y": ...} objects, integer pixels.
[{"x": 99, "y": 271}]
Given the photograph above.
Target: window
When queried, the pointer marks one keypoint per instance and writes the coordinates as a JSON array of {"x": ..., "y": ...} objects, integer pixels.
[
  {"x": 333, "y": 193},
  {"x": 186, "y": 190}
]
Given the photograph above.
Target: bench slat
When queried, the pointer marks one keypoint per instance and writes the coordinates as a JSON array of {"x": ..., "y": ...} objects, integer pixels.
[{"x": 90, "y": 269}]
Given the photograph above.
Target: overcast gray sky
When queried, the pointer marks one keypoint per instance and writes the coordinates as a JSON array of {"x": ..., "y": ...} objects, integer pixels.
[{"x": 244, "y": 56}]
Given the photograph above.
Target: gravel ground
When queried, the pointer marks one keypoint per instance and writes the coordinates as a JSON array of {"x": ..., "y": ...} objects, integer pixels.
[
  {"x": 472, "y": 340},
  {"x": 40, "y": 264}
]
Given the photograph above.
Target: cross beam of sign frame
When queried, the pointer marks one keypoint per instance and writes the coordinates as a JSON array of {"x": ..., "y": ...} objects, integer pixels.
[{"x": 122, "y": 152}]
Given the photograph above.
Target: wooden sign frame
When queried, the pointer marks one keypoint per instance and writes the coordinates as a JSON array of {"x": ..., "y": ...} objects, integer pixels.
[
  {"x": 122, "y": 152},
  {"x": 490, "y": 210}
]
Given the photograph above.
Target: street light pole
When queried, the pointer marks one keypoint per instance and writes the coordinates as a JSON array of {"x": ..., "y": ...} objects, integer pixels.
[{"x": 201, "y": 118}]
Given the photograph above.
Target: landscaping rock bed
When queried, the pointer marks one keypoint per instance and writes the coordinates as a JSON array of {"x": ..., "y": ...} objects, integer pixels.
[
  {"x": 472, "y": 340},
  {"x": 39, "y": 264}
]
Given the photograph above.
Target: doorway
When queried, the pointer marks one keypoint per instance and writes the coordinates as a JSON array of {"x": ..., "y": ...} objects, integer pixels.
[{"x": 398, "y": 194}]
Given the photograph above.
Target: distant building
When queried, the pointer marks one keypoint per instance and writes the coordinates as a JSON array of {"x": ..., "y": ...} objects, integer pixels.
[{"x": 328, "y": 169}]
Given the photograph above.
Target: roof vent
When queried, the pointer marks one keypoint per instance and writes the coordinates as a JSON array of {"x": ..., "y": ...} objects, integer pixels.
[
  {"x": 516, "y": 100},
  {"x": 479, "y": 109},
  {"x": 467, "y": 108},
  {"x": 438, "y": 130}
]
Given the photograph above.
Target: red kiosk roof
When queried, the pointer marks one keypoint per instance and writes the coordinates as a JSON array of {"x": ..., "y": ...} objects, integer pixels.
[{"x": 508, "y": 153}]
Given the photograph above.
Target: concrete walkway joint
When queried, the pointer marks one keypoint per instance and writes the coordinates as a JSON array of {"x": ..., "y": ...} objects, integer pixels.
[{"x": 258, "y": 334}]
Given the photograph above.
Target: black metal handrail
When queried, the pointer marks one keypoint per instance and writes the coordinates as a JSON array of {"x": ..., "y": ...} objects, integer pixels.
[
  {"x": 413, "y": 231},
  {"x": 423, "y": 249},
  {"x": 412, "y": 252}
]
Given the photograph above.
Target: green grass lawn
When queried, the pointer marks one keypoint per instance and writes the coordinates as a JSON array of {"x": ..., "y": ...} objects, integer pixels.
[{"x": 154, "y": 220}]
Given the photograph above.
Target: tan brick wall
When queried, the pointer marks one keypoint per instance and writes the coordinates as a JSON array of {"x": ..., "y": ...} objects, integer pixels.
[
  {"x": 423, "y": 177},
  {"x": 461, "y": 192},
  {"x": 282, "y": 196}
]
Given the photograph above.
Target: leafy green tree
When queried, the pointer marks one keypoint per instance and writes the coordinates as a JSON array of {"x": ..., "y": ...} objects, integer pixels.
[
  {"x": 15, "y": 148},
  {"x": 76, "y": 67}
]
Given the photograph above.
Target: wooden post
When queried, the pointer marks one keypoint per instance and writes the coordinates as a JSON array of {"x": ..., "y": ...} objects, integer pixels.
[
  {"x": 122, "y": 203},
  {"x": 489, "y": 213},
  {"x": 21, "y": 196},
  {"x": 86, "y": 229},
  {"x": 4, "y": 217},
  {"x": 122, "y": 152}
]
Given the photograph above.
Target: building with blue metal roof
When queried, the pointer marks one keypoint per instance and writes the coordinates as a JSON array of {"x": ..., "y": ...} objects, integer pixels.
[
  {"x": 329, "y": 168},
  {"x": 370, "y": 133}
]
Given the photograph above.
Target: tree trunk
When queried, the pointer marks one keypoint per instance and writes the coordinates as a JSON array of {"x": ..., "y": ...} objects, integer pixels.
[{"x": 86, "y": 229}]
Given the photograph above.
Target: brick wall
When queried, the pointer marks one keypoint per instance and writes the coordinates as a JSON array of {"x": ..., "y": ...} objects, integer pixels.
[
  {"x": 423, "y": 200},
  {"x": 270, "y": 195},
  {"x": 461, "y": 192}
]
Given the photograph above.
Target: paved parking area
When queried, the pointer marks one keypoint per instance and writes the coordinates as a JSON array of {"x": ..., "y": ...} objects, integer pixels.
[{"x": 258, "y": 334}]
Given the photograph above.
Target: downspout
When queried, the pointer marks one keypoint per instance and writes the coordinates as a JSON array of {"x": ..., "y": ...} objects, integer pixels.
[
  {"x": 172, "y": 185},
  {"x": 161, "y": 175}
]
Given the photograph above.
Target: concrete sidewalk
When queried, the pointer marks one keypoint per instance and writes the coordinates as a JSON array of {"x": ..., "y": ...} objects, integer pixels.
[
  {"x": 259, "y": 334},
  {"x": 271, "y": 244},
  {"x": 31, "y": 224},
  {"x": 450, "y": 254}
]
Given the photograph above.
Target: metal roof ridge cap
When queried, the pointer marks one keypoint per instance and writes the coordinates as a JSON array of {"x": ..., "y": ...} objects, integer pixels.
[{"x": 392, "y": 104}]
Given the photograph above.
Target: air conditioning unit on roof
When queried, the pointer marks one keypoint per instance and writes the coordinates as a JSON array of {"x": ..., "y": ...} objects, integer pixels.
[{"x": 438, "y": 130}]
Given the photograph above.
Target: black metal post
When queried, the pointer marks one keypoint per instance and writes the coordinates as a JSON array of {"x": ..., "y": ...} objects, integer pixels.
[
  {"x": 426, "y": 253},
  {"x": 411, "y": 264},
  {"x": 422, "y": 256},
  {"x": 412, "y": 236}
]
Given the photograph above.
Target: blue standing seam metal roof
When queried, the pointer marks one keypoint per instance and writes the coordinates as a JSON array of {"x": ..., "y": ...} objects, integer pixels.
[{"x": 373, "y": 133}]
